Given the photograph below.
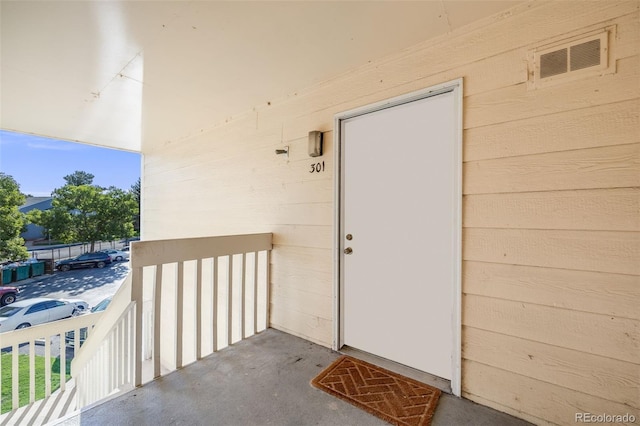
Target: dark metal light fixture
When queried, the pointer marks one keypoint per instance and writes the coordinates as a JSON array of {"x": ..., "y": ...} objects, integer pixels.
[{"x": 315, "y": 143}]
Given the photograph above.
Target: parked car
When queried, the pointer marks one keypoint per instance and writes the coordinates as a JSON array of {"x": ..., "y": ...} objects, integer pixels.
[
  {"x": 8, "y": 295},
  {"x": 87, "y": 260},
  {"x": 102, "y": 305},
  {"x": 40, "y": 310},
  {"x": 81, "y": 305},
  {"x": 117, "y": 255},
  {"x": 70, "y": 335}
]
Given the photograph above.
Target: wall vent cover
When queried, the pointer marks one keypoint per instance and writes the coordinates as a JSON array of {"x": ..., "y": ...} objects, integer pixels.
[{"x": 563, "y": 60}]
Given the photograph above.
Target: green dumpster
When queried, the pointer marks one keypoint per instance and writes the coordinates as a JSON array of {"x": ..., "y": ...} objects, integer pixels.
[
  {"x": 22, "y": 272},
  {"x": 7, "y": 275},
  {"x": 37, "y": 269}
]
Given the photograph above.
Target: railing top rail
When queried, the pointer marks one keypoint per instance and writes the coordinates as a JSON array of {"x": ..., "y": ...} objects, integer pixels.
[
  {"x": 48, "y": 329},
  {"x": 155, "y": 252}
]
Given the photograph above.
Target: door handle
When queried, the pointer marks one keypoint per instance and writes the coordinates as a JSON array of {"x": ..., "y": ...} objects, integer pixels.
[{"x": 348, "y": 250}]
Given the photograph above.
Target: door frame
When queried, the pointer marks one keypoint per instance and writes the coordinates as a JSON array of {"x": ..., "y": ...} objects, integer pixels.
[{"x": 454, "y": 86}]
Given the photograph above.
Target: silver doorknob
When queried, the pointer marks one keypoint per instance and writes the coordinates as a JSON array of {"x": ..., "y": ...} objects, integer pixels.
[{"x": 348, "y": 250}]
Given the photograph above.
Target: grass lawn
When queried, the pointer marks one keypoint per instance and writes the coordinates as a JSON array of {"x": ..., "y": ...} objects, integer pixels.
[{"x": 23, "y": 366}]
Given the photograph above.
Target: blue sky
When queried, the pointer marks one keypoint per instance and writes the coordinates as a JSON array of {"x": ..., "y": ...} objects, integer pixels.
[{"x": 39, "y": 164}]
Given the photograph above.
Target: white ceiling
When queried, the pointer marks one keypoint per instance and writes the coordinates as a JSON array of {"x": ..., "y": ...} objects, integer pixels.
[{"x": 90, "y": 70}]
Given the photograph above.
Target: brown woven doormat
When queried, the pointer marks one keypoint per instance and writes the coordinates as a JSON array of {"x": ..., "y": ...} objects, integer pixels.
[{"x": 383, "y": 393}]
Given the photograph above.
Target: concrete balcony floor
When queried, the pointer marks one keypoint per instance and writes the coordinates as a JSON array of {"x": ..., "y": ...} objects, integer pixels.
[{"x": 263, "y": 380}]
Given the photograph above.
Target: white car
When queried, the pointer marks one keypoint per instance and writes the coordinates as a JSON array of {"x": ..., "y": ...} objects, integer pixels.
[
  {"x": 117, "y": 255},
  {"x": 25, "y": 313}
]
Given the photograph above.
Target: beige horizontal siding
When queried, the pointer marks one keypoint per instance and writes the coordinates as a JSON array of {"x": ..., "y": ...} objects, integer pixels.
[
  {"x": 616, "y": 337},
  {"x": 290, "y": 319},
  {"x": 518, "y": 102},
  {"x": 551, "y": 208},
  {"x": 522, "y": 395},
  {"x": 597, "y": 292},
  {"x": 603, "y": 125},
  {"x": 598, "y": 251},
  {"x": 607, "y": 377},
  {"x": 599, "y": 209},
  {"x": 606, "y": 167}
]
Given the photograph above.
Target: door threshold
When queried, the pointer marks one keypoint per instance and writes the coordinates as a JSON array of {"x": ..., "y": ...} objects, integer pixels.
[{"x": 437, "y": 382}]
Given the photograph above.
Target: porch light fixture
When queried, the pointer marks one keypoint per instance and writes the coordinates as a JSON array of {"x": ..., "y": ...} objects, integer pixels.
[{"x": 315, "y": 143}]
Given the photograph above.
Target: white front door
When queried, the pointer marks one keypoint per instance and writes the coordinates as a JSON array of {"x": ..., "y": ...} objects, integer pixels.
[{"x": 400, "y": 230}]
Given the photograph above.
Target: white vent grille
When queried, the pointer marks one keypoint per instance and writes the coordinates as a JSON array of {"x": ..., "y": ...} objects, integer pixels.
[
  {"x": 585, "y": 55},
  {"x": 563, "y": 60},
  {"x": 553, "y": 63}
]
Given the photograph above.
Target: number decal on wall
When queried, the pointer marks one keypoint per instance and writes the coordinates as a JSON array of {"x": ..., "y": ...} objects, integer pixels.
[{"x": 317, "y": 168}]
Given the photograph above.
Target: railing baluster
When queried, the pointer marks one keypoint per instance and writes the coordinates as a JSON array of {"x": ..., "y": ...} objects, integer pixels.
[
  {"x": 243, "y": 300},
  {"x": 230, "y": 302},
  {"x": 198, "y": 302},
  {"x": 214, "y": 313},
  {"x": 15, "y": 395},
  {"x": 267, "y": 289},
  {"x": 180, "y": 315},
  {"x": 63, "y": 363},
  {"x": 255, "y": 292},
  {"x": 136, "y": 296},
  {"x": 104, "y": 361},
  {"x": 125, "y": 350},
  {"x": 96, "y": 373},
  {"x": 47, "y": 366},
  {"x": 118, "y": 360},
  {"x": 76, "y": 340},
  {"x": 112, "y": 358},
  {"x": 132, "y": 346},
  {"x": 157, "y": 317},
  {"x": 32, "y": 371}
]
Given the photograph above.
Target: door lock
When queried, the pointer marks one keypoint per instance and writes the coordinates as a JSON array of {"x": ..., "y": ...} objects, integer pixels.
[
  {"x": 348, "y": 250},
  {"x": 349, "y": 237}
]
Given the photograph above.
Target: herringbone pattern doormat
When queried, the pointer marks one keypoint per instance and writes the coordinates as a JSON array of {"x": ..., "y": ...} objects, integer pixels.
[{"x": 383, "y": 393}]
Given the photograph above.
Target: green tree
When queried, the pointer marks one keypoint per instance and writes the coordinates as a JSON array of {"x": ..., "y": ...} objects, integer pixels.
[
  {"x": 51, "y": 220},
  {"x": 88, "y": 213},
  {"x": 136, "y": 190},
  {"x": 12, "y": 221},
  {"x": 78, "y": 178}
]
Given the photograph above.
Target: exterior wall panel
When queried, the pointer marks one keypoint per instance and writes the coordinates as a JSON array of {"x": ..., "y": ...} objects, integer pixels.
[{"x": 551, "y": 210}]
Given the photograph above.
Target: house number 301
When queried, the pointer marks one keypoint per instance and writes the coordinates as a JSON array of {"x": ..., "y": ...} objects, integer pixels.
[{"x": 317, "y": 168}]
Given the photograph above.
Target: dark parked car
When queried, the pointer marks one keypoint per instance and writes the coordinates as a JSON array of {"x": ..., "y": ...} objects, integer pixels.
[
  {"x": 87, "y": 260},
  {"x": 8, "y": 295}
]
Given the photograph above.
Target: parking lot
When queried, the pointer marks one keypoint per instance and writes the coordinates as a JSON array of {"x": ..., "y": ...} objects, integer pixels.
[{"x": 91, "y": 285}]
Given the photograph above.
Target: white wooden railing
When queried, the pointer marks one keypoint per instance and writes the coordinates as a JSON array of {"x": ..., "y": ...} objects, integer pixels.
[
  {"x": 116, "y": 351},
  {"x": 104, "y": 364},
  {"x": 202, "y": 294},
  {"x": 183, "y": 300},
  {"x": 50, "y": 336}
]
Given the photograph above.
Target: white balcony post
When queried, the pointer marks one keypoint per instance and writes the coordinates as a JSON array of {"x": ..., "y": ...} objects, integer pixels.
[{"x": 136, "y": 296}]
